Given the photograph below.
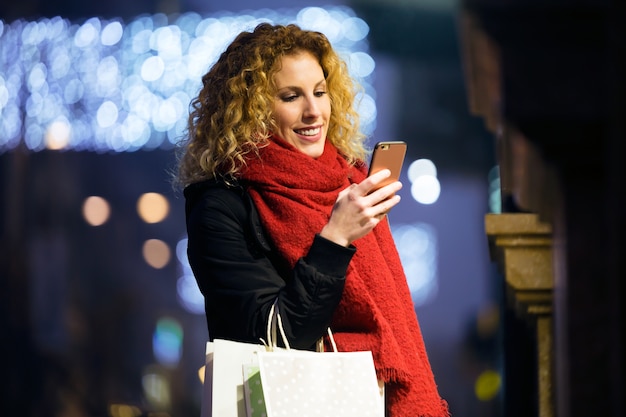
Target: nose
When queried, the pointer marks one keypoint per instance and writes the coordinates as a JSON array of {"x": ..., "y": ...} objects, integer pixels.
[{"x": 311, "y": 108}]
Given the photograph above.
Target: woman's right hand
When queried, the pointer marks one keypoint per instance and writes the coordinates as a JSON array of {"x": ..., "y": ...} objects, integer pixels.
[{"x": 360, "y": 207}]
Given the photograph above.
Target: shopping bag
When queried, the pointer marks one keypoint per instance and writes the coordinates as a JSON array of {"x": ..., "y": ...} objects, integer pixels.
[
  {"x": 303, "y": 383},
  {"x": 223, "y": 390}
]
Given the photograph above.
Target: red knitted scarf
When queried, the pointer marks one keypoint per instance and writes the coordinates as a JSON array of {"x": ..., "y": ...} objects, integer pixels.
[{"x": 294, "y": 195}]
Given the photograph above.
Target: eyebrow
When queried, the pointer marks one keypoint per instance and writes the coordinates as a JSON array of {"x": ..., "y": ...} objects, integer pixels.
[{"x": 293, "y": 87}]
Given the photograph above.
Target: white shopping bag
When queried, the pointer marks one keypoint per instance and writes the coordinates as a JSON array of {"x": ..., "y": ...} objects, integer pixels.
[
  {"x": 307, "y": 384},
  {"x": 299, "y": 383},
  {"x": 223, "y": 393}
]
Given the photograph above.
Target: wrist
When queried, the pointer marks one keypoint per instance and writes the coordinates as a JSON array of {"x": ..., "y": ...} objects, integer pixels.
[{"x": 327, "y": 233}]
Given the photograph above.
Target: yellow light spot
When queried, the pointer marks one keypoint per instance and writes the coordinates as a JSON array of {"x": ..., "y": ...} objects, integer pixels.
[
  {"x": 201, "y": 372},
  {"x": 96, "y": 210},
  {"x": 487, "y": 385},
  {"x": 124, "y": 410},
  {"x": 152, "y": 207},
  {"x": 156, "y": 253}
]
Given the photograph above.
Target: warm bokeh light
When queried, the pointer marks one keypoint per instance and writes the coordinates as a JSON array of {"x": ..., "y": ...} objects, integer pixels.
[
  {"x": 156, "y": 389},
  {"x": 202, "y": 373},
  {"x": 156, "y": 253},
  {"x": 58, "y": 135},
  {"x": 96, "y": 210},
  {"x": 487, "y": 385},
  {"x": 153, "y": 207},
  {"x": 124, "y": 410},
  {"x": 488, "y": 321}
]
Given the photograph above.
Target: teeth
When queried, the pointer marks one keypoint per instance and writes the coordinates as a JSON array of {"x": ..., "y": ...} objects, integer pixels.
[{"x": 309, "y": 132}]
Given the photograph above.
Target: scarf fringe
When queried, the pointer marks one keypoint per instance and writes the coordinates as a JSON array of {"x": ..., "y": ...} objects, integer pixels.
[
  {"x": 393, "y": 375},
  {"x": 445, "y": 408}
]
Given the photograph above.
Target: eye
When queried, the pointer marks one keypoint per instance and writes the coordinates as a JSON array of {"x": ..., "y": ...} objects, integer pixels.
[
  {"x": 289, "y": 98},
  {"x": 320, "y": 93}
]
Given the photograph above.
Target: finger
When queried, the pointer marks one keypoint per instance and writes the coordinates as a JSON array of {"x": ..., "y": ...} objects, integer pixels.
[
  {"x": 388, "y": 204},
  {"x": 384, "y": 193},
  {"x": 373, "y": 182}
]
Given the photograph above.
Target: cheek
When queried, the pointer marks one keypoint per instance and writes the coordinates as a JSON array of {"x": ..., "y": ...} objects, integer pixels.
[
  {"x": 283, "y": 115},
  {"x": 277, "y": 115},
  {"x": 327, "y": 107}
]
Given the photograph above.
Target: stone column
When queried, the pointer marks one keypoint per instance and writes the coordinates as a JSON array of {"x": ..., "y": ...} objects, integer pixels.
[{"x": 522, "y": 247}]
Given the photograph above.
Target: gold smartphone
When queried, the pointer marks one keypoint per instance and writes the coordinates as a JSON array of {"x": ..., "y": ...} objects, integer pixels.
[{"x": 388, "y": 155}]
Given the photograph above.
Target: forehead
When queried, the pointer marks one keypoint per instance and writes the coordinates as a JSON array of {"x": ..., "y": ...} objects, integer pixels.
[{"x": 302, "y": 66}]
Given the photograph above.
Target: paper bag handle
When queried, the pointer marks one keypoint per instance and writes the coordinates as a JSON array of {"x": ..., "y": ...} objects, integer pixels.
[{"x": 275, "y": 321}]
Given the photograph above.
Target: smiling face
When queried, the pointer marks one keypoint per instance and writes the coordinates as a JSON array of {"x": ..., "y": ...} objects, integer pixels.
[{"x": 301, "y": 107}]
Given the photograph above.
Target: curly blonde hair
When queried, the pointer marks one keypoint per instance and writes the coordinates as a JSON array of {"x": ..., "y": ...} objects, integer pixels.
[{"x": 232, "y": 115}]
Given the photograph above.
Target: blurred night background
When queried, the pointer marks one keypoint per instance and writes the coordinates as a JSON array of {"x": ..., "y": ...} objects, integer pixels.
[{"x": 99, "y": 315}]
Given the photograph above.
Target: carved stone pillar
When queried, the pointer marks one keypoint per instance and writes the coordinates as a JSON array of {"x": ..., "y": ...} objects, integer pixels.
[{"x": 522, "y": 247}]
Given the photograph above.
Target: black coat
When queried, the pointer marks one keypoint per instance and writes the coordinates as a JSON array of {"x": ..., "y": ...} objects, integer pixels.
[{"x": 240, "y": 275}]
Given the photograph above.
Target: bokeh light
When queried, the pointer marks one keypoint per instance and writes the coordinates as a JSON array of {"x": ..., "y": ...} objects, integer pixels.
[
  {"x": 495, "y": 193},
  {"x": 421, "y": 167},
  {"x": 417, "y": 247},
  {"x": 202, "y": 373},
  {"x": 189, "y": 295},
  {"x": 124, "y": 410},
  {"x": 156, "y": 388},
  {"x": 156, "y": 253},
  {"x": 58, "y": 134},
  {"x": 104, "y": 85},
  {"x": 152, "y": 207},
  {"x": 96, "y": 210},
  {"x": 425, "y": 187},
  {"x": 167, "y": 341},
  {"x": 487, "y": 385},
  {"x": 488, "y": 321}
]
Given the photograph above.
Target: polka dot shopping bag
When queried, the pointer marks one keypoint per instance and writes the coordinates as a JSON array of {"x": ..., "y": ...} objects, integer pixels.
[{"x": 314, "y": 384}]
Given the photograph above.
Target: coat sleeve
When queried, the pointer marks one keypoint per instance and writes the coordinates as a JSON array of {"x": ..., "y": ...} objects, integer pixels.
[{"x": 240, "y": 282}]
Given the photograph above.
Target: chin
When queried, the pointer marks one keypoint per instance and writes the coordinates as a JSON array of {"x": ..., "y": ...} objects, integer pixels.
[{"x": 313, "y": 153}]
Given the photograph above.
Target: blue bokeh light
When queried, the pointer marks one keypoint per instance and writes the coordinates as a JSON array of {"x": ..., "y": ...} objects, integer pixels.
[
  {"x": 418, "y": 249},
  {"x": 167, "y": 341},
  {"x": 123, "y": 87}
]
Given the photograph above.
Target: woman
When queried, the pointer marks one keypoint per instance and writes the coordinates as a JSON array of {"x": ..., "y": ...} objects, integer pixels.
[{"x": 279, "y": 209}]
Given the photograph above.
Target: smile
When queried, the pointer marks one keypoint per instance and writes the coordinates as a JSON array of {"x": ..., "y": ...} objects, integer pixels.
[{"x": 308, "y": 132}]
